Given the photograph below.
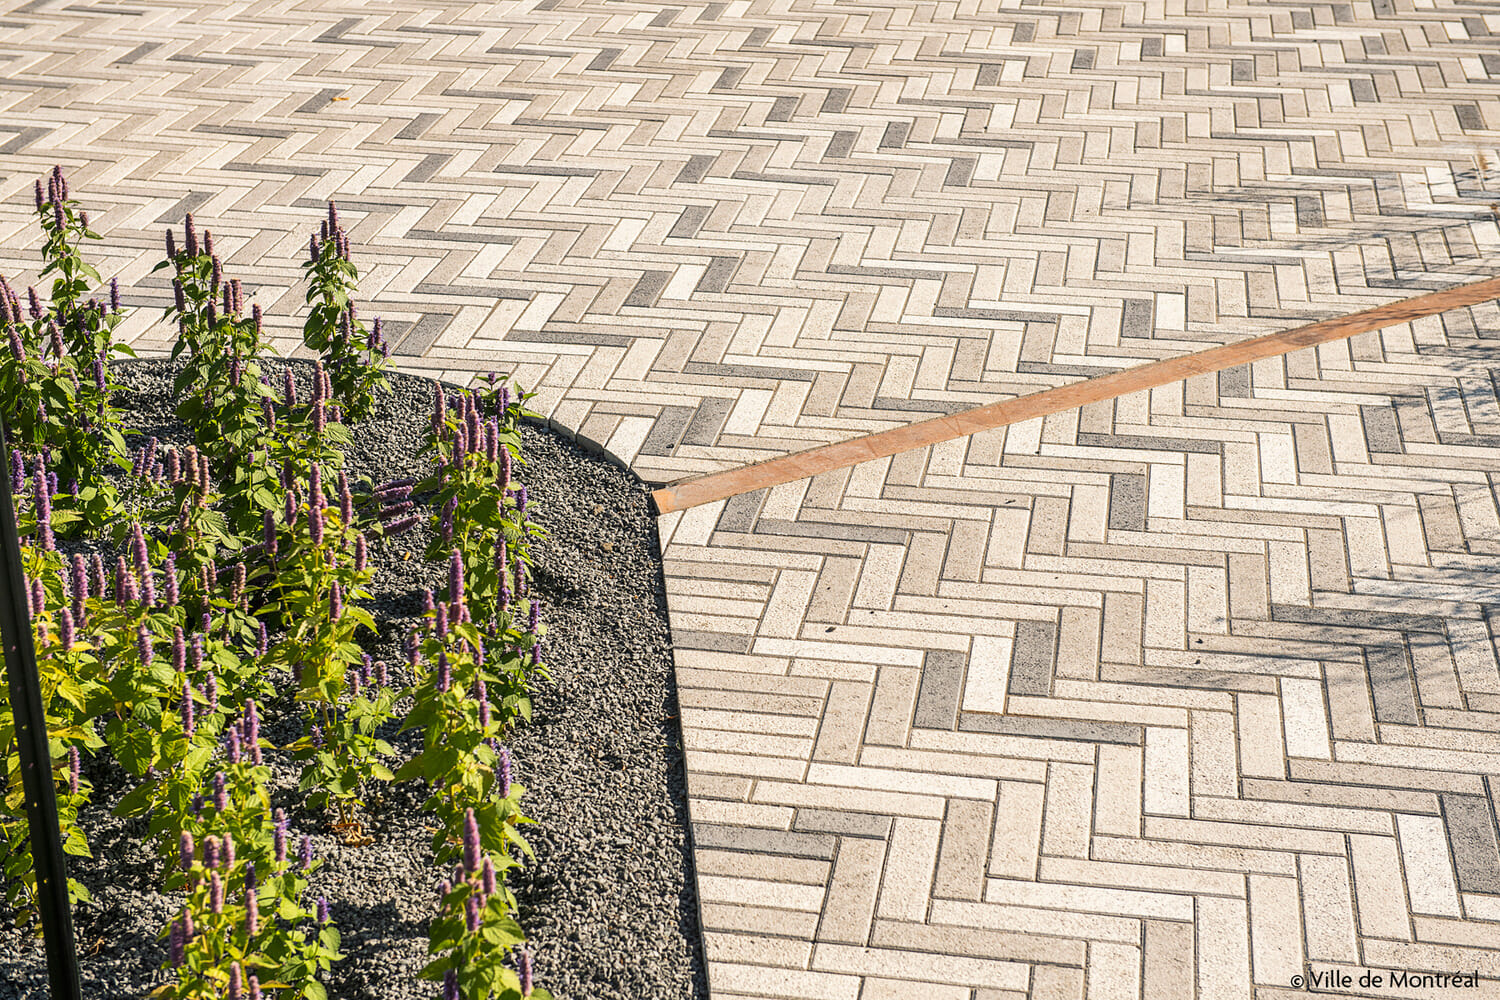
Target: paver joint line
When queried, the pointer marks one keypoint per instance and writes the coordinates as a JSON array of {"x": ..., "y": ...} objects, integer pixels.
[{"x": 882, "y": 444}]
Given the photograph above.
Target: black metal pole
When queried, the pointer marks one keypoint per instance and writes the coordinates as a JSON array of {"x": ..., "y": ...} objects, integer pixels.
[{"x": 36, "y": 756}]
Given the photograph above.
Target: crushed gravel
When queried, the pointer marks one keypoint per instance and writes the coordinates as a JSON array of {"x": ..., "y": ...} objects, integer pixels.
[{"x": 610, "y": 905}]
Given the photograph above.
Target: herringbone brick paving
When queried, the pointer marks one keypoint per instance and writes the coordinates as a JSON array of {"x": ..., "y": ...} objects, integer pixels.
[{"x": 1162, "y": 697}]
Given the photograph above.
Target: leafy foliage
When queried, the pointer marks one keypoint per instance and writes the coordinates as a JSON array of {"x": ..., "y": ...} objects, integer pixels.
[{"x": 164, "y": 660}]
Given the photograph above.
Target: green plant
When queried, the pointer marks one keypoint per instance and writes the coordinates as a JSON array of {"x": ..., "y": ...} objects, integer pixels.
[
  {"x": 166, "y": 670},
  {"x": 355, "y": 356}
]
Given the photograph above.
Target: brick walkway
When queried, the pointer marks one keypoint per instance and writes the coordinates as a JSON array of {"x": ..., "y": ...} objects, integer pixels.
[{"x": 1172, "y": 694}]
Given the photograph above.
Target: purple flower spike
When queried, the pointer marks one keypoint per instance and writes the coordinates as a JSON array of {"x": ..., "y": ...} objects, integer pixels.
[
  {"x": 114, "y": 295},
  {"x": 471, "y": 842},
  {"x": 232, "y": 740},
  {"x": 169, "y": 572},
  {"x": 401, "y": 527},
  {"x": 221, "y": 793},
  {"x": 471, "y": 913},
  {"x": 98, "y": 577},
  {"x": 143, "y": 645},
  {"x": 179, "y": 650},
  {"x": 364, "y": 669},
  {"x": 195, "y": 653},
  {"x": 228, "y": 852},
  {"x": 445, "y": 672},
  {"x": 268, "y": 533},
  {"x": 280, "y": 836},
  {"x": 235, "y": 979},
  {"x": 305, "y": 856},
  {"x": 43, "y": 497},
  {"x": 381, "y": 677},
  {"x": 335, "y": 602},
  {"x": 65, "y": 629},
  {"x": 361, "y": 553},
  {"x": 73, "y": 765},
  {"x": 427, "y": 602},
  {"x": 192, "y": 236},
  {"x": 99, "y": 374},
  {"x": 536, "y": 616},
  {"x": 176, "y": 944},
  {"x": 211, "y": 852},
  {"x": 456, "y": 576},
  {"x": 211, "y": 688},
  {"x": 487, "y": 877},
  {"x": 138, "y": 546},
  {"x": 450, "y": 985},
  {"x": 322, "y": 910},
  {"x": 442, "y": 619},
  {"x": 524, "y": 968},
  {"x": 187, "y": 926},
  {"x": 254, "y": 989},
  {"x": 185, "y": 850},
  {"x": 252, "y": 910},
  {"x": 263, "y": 642},
  {"x": 17, "y": 472},
  {"x": 504, "y": 772}
]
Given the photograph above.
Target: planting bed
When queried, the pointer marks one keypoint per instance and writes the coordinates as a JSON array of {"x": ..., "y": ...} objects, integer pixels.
[{"x": 610, "y": 905}]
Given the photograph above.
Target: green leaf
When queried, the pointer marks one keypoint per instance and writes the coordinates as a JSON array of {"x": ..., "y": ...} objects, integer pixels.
[{"x": 133, "y": 748}]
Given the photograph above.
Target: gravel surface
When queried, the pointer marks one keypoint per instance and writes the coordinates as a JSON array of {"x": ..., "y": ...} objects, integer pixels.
[{"x": 610, "y": 904}]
